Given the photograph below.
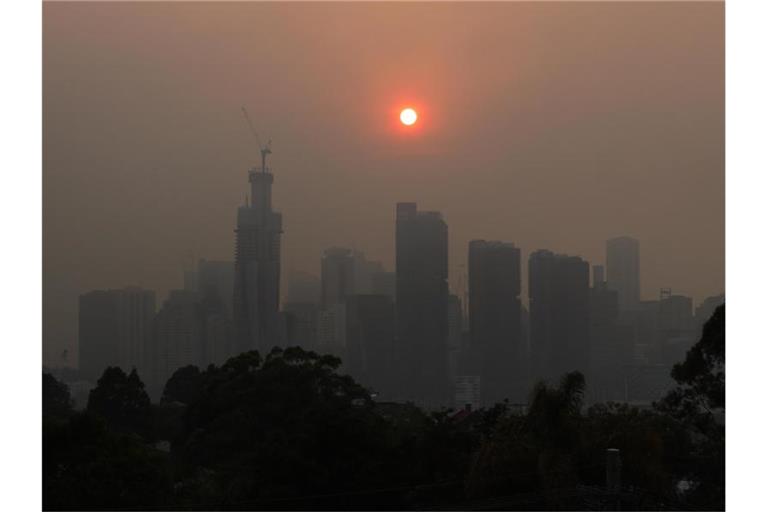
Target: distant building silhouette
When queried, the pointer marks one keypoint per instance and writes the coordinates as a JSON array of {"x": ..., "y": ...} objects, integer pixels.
[
  {"x": 256, "y": 290},
  {"x": 212, "y": 282},
  {"x": 623, "y": 265},
  {"x": 215, "y": 279},
  {"x": 494, "y": 319},
  {"x": 332, "y": 330},
  {"x": 422, "y": 306},
  {"x": 114, "y": 330},
  {"x": 301, "y": 323},
  {"x": 609, "y": 351},
  {"x": 337, "y": 276},
  {"x": 365, "y": 270},
  {"x": 177, "y": 338},
  {"x": 559, "y": 314},
  {"x": 370, "y": 326},
  {"x": 455, "y": 336},
  {"x": 598, "y": 277},
  {"x": 676, "y": 327}
]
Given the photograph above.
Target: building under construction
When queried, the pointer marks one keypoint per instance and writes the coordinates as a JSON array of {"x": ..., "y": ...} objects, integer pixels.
[{"x": 257, "y": 265}]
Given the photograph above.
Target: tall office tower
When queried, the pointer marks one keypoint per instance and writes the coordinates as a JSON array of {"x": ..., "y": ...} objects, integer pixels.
[
  {"x": 177, "y": 338},
  {"x": 422, "y": 306},
  {"x": 114, "y": 329},
  {"x": 494, "y": 319},
  {"x": 609, "y": 351},
  {"x": 370, "y": 335},
  {"x": 256, "y": 290},
  {"x": 623, "y": 265},
  {"x": 558, "y": 292},
  {"x": 337, "y": 275}
]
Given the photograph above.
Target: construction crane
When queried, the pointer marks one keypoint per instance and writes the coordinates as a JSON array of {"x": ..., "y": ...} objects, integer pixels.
[{"x": 264, "y": 150}]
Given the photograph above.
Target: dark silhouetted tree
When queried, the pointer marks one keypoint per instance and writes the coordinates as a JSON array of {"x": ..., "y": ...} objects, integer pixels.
[
  {"x": 86, "y": 466},
  {"x": 698, "y": 402},
  {"x": 283, "y": 427},
  {"x": 535, "y": 451},
  {"x": 185, "y": 386},
  {"x": 122, "y": 401},
  {"x": 701, "y": 377},
  {"x": 57, "y": 402}
]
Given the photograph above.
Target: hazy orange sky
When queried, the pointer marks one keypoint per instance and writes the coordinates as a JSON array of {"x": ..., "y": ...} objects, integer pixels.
[{"x": 551, "y": 125}]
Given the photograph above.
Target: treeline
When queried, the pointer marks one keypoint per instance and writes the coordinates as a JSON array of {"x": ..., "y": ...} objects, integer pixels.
[{"x": 287, "y": 431}]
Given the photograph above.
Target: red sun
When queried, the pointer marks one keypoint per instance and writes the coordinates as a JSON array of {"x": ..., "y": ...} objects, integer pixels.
[{"x": 408, "y": 116}]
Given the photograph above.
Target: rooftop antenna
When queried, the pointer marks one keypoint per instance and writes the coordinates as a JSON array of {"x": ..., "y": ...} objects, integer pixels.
[{"x": 264, "y": 150}]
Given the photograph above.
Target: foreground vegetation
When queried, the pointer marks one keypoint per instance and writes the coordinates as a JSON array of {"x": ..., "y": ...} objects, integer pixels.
[{"x": 288, "y": 432}]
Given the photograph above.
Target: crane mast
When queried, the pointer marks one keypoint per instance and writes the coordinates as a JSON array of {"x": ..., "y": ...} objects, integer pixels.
[{"x": 263, "y": 150}]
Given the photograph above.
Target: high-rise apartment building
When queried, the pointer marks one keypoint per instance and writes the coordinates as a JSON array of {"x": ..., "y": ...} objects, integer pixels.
[
  {"x": 114, "y": 329},
  {"x": 559, "y": 314},
  {"x": 422, "y": 306},
  {"x": 494, "y": 319}
]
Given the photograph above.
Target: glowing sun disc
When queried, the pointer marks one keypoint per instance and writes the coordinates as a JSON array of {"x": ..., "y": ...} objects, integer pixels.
[{"x": 408, "y": 116}]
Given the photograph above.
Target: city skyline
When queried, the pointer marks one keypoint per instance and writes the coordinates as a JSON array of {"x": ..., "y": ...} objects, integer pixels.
[
  {"x": 383, "y": 255},
  {"x": 567, "y": 143}
]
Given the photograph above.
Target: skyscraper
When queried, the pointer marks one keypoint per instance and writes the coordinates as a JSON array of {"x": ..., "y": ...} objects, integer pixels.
[
  {"x": 422, "y": 306},
  {"x": 337, "y": 276},
  {"x": 370, "y": 324},
  {"x": 609, "y": 351},
  {"x": 494, "y": 319},
  {"x": 623, "y": 266},
  {"x": 559, "y": 314},
  {"x": 114, "y": 328},
  {"x": 257, "y": 268}
]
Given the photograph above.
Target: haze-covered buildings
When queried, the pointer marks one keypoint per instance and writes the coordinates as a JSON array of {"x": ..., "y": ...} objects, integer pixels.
[
  {"x": 421, "y": 351},
  {"x": 256, "y": 289},
  {"x": 495, "y": 319}
]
